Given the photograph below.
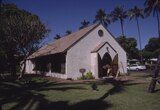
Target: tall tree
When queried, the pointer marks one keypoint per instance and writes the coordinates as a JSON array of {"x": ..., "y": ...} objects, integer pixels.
[
  {"x": 22, "y": 30},
  {"x": 136, "y": 13},
  {"x": 119, "y": 14},
  {"x": 102, "y": 17},
  {"x": 153, "y": 6},
  {"x": 84, "y": 24}
]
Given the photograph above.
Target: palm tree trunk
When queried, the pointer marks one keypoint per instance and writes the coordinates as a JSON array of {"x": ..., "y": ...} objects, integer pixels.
[
  {"x": 121, "y": 21},
  {"x": 139, "y": 36},
  {"x": 158, "y": 24},
  {"x": 23, "y": 69},
  {"x": 152, "y": 84}
]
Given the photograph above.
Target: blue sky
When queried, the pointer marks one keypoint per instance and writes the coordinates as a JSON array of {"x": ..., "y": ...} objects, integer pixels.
[{"x": 62, "y": 15}]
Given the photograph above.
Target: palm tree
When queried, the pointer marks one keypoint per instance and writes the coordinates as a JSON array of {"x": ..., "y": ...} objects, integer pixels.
[
  {"x": 153, "y": 6},
  {"x": 102, "y": 17},
  {"x": 68, "y": 32},
  {"x": 84, "y": 24},
  {"x": 57, "y": 37},
  {"x": 119, "y": 14},
  {"x": 136, "y": 13}
]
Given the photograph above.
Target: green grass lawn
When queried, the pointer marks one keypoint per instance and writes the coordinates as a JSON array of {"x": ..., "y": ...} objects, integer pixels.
[{"x": 43, "y": 94}]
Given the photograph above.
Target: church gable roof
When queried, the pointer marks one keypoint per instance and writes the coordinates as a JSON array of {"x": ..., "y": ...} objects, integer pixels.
[{"x": 63, "y": 44}]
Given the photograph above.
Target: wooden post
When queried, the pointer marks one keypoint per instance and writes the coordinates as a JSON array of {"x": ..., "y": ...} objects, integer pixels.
[
  {"x": 117, "y": 74},
  {"x": 152, "y": 84}
]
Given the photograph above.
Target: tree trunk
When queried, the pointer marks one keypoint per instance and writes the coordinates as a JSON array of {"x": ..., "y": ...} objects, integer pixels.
[
  {"x": 158, "y": 24},
  {"x": 154, "y": 77},
  {"x": 12, "y": 65},
  {"x": 23, "y": 69},
  {"x": 121, "y": 21},
  {"x": 139, "y": 37}
]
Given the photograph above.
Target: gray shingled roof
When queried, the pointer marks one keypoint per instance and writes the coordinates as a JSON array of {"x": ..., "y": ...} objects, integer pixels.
[{"x": 63, "y": 44}]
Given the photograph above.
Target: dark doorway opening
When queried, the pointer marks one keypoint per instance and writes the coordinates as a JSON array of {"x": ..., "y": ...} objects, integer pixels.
[{"x": 106, "y": 60}]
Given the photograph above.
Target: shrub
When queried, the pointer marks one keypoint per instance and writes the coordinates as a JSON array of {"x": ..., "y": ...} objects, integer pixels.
[
  {"x": 94, "y": 86},
  {"x": 87, "y": 76}
]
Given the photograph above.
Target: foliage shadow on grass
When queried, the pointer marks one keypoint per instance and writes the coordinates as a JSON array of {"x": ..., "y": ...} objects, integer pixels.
[
  {"x": 83, "y": 105},
  {"x": 25, "y": 99},
  {"x": 117, "y": 87},
  {"x": 157, "y": 90}
]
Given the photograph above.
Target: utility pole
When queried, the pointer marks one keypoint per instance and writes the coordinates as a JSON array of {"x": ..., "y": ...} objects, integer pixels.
[{"x": 152, "y": 84}]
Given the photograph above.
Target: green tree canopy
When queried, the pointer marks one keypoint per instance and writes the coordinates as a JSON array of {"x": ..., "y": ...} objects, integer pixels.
[
  {"x": 153, "y": 44},
  {"x": 152, "y": 49},
  {"x": 129, "y": 45},
  {"x": 21, "y": 31}
]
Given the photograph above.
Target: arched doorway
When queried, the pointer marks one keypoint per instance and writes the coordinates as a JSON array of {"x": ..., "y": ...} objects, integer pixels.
[{"x": 106, "y": 60}]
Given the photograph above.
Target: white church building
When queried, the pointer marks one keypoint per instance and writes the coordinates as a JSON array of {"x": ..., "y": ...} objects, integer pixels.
[{"x": 87, "y": 50}]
